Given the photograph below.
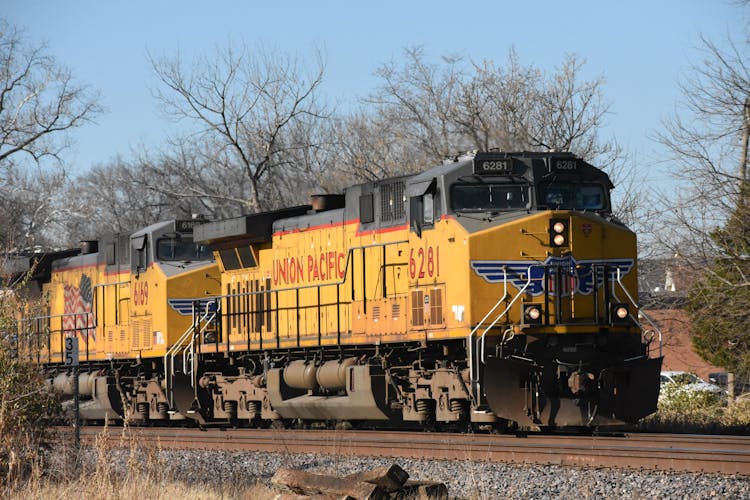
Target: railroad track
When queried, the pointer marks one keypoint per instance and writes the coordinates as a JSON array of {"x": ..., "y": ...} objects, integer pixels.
[{"x": 674, "y": 452}]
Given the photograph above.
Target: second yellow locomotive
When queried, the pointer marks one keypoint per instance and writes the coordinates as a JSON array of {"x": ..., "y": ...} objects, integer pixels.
[{"x": 128, "y": 298}]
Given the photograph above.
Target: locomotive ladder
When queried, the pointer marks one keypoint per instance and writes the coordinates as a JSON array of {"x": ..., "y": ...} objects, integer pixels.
[
  {"x": 474, "y": 371},
  {"x": 185, "y": 346}
]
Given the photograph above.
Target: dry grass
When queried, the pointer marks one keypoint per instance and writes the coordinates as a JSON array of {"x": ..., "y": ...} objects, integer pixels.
[
  {"x": 26, "y": 406},
  {"x": 136, "y": 488},
  {"x": 93, "y": 474}
]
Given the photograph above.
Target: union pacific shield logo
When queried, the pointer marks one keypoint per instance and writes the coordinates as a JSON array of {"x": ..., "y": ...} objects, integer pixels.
[
  {"x": 585, "y": 273},
  {"x": 185, "y": 306}
]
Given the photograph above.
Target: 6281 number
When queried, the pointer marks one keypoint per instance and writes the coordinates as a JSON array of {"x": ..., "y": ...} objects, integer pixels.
[
  {"x": 495, "y": 166},
  {"x": 424, "y": 262}
]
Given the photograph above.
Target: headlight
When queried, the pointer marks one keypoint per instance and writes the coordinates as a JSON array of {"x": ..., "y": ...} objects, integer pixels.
[
  {"x": 532, "y": 313},
  {"x": 620, "y": 313},
  {"x": 558, "y": 232}
]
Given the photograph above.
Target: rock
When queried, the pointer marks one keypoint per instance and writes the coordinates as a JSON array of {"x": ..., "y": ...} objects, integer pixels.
[{"x": 308, "y": 483}]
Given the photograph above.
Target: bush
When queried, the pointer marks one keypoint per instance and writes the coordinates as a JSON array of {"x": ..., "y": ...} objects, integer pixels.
[
  {"x": 697, "y": 412},
  {"x": 27, "y": 407},
  {"x": 677, "y": 397}
]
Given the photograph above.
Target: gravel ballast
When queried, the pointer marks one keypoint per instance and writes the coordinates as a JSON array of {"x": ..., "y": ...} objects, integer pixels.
[{"x": 464, "y": 479}]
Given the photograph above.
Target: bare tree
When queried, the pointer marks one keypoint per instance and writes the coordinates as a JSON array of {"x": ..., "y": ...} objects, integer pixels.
[
  {"x": 39, "y": 100},
  {"x": 113, "y": 198},
  {"x": 31, "y": 203},
  {"x": 422, "y": 113},
  {"x": 706, "y": 142},
  {"x": 443, "y": 108},
  {"x": 254, "y": 115},
  {"x": 198, "y": 177},
  {"x": 40, "y": 103},
  {"x": 570, "y": 114},
  {"x": 370, "y": 145},
  {"x": 420, "y": 98},
  {"x": 498, "y": 103}
]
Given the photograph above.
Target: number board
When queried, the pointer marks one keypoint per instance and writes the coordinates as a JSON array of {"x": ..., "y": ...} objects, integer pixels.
[
  {"x": 71, "y": 351},
  {"x": 493, "y": 165},
  {"x": 563, "y": 164},
  {"x": 186, "y": 226}
]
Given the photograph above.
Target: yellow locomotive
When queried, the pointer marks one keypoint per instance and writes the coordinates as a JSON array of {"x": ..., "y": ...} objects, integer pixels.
[
  {"x": 127, "y": 298},
  {"x": 496, "y": 288}
]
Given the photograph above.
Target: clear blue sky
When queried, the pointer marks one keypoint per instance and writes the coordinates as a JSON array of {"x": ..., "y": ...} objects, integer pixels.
[{"x": 640, "y": 46}]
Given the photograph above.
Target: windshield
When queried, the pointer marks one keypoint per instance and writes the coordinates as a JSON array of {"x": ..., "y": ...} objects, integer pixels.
[
  {"x": 569, "y": 196},
  {"x": 489, "y": 197},
  {"x": 182, "y": 249}
]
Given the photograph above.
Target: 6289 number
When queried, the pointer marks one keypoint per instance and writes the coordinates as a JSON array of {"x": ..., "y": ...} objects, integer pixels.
[{"x": 140, "y": 293}]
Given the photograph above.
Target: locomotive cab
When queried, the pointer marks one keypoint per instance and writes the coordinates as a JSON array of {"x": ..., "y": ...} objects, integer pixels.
[{"x": 555, "y": 339}]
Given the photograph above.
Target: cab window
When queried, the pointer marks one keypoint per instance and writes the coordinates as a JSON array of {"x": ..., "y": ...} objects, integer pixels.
[
  {"x": 572, "y": 196},
  {"x": 140, "y": 255},
  {"x": 489, "y": 197},
  {"x": 181, "y": 249}
]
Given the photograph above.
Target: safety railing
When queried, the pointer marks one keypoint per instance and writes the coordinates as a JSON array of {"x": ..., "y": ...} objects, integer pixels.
[
  {"x": 185, "y": 345},
  {"x": 640, "y": 311},
  {"x": 475, "y": 371},
  {"x": 33, "y": 337},
  {"x": 507, "y": 308},
  {"x": 234, "y": 310}
]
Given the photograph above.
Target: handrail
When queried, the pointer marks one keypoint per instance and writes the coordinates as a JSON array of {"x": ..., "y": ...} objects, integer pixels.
[
  {"x": 27, "y": 319},
  {"x": 183, "y": 346},
  {"x": 190, "y": 350},
  {"x": 339, "y": 282},
  {"x": 474, "y": 372},
  {"x": 474, "y": 330},
  {"x": 520, "y": 292},
  {"x": 101, "y": 285},
  {"x": 187, "y": 349},
  {"x": 494, "y": 322},
  {"x": 640, "y": 311}
]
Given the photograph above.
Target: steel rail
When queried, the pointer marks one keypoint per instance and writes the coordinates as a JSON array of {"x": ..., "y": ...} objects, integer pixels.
[{"x": 672, "y": 452}]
